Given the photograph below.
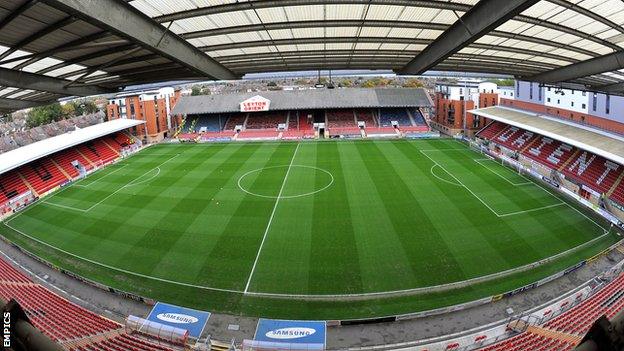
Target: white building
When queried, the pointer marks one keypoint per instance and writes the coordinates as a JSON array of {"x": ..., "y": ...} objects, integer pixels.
[
  {"x": 466, "y": 90},
  {"x": 506, "y": 93},
  {"x": 573, "y": 100}
]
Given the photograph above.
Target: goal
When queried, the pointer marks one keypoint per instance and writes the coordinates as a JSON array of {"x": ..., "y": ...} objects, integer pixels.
[{"x": 477, "y": 146}]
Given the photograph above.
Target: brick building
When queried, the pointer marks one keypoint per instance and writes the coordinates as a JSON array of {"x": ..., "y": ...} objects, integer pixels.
[
  {"x": 153, "y": 107},
  {"x": 452, "y": 101}
]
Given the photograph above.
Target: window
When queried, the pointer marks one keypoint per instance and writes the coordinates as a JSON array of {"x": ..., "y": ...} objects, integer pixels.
[
  {"x": 531, "y": 91},
  {"x": 594, "y": 101},
  {"x": 132, "y": 110},
  {"x": 518, "y": 89},
  {"x": 539, "y": 93},
  {"x": 548, "y": 88},
  {"x": 583, "y": 106},
  {"x": 584, "y": 93},
  {"x": 572, "y": 103},
  {"x": 572, "y": 91},
  {"x": 558, "y": 101},
  {"x": 493, "y": 101},
  {"x": 608, "y": 104},
  {"x": 511, "y": 93},
  {"x": 547, "y": 99}
]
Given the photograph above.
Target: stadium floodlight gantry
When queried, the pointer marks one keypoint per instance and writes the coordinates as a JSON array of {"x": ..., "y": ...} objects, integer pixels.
[{"x": 54, "y": 48}]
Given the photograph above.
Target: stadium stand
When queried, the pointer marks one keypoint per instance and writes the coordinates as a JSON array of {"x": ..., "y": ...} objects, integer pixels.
[
  {"x": 564, "y": 331},
  {"x": 582, "y": 166},
  {"x": 258, "y": 134},
  {"x": 42, "y": 175},
  {"x": 266, "y": 120},
  {"x": 340, "y": 119},
  {"x": 367, "y": 117},
  {"x": 49, "y": 172},
  {"x": 235, "y": 120},
  {"x": 204, "y": 123},
  {"x": 303, "y": 123},
  {"x": 11, "y": 185},
  {"x": 215, "y": 135},
  {"x": 418, "y": 117},
  {"x": 387, "y": 115},
  {"x": 530, "y": 341},
  {"x": 188, "y": 136},
  {"x": 548, "y": 151},
  {"x": 607, "y": 301},
  {"x": 75, "y": 327},
  {"x": 292, "y": 134}
]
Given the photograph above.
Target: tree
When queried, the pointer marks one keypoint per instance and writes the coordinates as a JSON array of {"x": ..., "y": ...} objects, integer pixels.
[
  {"x": 41, "y": 115},
  {"x": 504, "y": 82},
  {"x": 69, "y": 109},
  {"x": 195, "y": 90},
  {"x": 413, "y": 83},
  {"x": 347, "y": 83}
]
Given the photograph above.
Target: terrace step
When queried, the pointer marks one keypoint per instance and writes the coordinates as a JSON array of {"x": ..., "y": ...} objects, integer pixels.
[
  {"x": 110, "y": 147},
  {"x": 28, "y": 185},
  {"x": 86, "y": 158},
  {"x": 615, "y": 184},
  {"x": 61, "y": 169},
  {"x": 557, "y": 335},
  {"x": 572, "y": 157}
]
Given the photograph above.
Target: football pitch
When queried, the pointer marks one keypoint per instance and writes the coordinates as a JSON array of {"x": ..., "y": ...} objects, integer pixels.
[{"x": 346, "y": 229}]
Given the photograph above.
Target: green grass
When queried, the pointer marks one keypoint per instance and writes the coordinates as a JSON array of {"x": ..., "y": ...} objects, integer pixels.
[{"x": 172, "y": 223}]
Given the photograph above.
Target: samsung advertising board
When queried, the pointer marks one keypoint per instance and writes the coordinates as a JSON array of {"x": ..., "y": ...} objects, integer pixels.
[
  {"x": 311, "y": 333},
  {"x": 180, "y": 317}
]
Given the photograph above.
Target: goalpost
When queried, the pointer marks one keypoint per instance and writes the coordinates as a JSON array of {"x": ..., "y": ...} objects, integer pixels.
[
  {"x": 513, "y": 165},
  {"x": 476, "y": 146}
]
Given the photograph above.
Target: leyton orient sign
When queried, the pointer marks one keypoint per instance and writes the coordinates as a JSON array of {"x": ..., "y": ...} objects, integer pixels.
[{"x": 256, "y": 103}]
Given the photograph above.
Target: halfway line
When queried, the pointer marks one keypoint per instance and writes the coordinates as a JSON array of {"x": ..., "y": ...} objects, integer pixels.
[{"x": 266, "y": 231}]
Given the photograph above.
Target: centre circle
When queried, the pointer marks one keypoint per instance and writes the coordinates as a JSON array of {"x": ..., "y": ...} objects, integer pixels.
[{"x": 292, "y": 171}]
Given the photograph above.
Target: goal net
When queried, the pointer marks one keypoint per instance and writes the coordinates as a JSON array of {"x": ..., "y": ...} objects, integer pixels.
[
  {"x": 477, "y": 146},
  {"x": 513, "y": 164}
]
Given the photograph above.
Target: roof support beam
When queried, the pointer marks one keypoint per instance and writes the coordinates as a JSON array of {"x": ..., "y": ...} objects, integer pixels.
[
  {"x": 443, "y": 5},
  {"x": 580, "y": 9},
  {"x": 312, "y": 24},
  {"x": 25, "y": 80},
  {"x": 392, "y": 40},
  {"x": 482, "y": 18},
  {"x": 262, "y": 4},
  {"x": 125, "y": 21},
  {"x": 63, "y": 47},
  {"x": 17, "y": 12},
  {"x": 610, "y": 88},
  {"x": 38, "y": 35},
  {"x": 15, "y": 104},
  {"x": 368, "y": 23},
  {"x": 315, "y": 40},
  {"x": 601, "y": 64}
]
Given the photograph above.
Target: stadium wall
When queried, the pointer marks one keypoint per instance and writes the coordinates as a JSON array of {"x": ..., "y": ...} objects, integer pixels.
[{"x": 573, "y": 116}]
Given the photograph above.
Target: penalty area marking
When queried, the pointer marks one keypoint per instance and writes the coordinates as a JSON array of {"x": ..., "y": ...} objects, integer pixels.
[
  {"x": 288, "y": 196},
  {"x": 440, "y": 178},
  {"x": 100, "y": 178},
  {"x": 485, "y": 203},
  {"x": 128, "y": 185},
  {"x": 480, "y": 160}
]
